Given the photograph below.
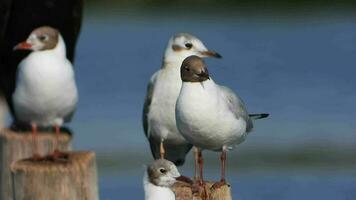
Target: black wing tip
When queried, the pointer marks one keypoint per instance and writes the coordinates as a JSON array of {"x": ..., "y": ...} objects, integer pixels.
[{"x": 259, "y": 116}]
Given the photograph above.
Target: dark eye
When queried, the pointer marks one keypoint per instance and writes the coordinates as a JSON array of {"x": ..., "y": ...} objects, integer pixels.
[
  {"x": 162, "y": 170},
  {"x": 188, "y": 45},
  {"x": 186, "y": 68},
  {"x": 42, "y": 37}
]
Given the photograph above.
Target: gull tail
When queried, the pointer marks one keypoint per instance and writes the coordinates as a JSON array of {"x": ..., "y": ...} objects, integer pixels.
[{"x": 258, "y": 116}]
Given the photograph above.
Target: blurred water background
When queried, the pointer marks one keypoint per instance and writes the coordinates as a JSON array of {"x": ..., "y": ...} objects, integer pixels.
[{"x": 294, "y": 60}]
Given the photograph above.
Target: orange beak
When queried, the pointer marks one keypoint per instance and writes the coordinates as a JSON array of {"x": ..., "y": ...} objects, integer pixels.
[
  {"x": 211, "y": 54},
  {"x": 23, "y": 45}
]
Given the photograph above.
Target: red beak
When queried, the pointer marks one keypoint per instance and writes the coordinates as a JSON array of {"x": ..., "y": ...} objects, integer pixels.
[{"x": 23, "y": 45}]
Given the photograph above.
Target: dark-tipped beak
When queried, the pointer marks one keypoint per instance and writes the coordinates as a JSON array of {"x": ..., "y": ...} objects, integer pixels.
[
  {"x": 23, "y": 45},
  {"x": 204, "y": 75},
  {"x": 211, "y": 54}
]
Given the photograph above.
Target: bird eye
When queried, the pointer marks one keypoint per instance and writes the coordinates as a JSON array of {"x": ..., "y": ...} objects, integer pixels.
[
  {"x": 162, "y": 170},
  {"x": 186, "y": 68},
  {"x": 189, "y": 45},
  {"x": 42, "y": 37}
]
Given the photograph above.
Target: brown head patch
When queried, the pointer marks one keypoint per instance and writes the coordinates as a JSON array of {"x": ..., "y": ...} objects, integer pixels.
[
  {"x": 194, "y": 69},
  {"x": 48, "y": 36}
]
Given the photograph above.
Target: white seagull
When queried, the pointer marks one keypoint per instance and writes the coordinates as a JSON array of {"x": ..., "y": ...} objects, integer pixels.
[
  {"x": 159, "y": 177},
  {"x": 46, "y": 92},
  {"x": 208, "y": 115},
  {"x": 162, "y": 92}
]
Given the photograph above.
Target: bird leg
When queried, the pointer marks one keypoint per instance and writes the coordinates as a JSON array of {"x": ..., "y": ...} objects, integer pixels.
[
  {"x": 223, "y": 167},
  {"x": 35, "y": 155},
  {"x": 199, "y": 184},
  {"x": 56, "y": 153},
  {"x": 201, "y": 163},
  {"x": 161, "y": 150}
]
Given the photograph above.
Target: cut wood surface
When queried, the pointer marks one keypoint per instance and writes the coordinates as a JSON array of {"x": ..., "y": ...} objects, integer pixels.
[
  {"x": 16, "y": 146},
  {"x": 74, "y": 178},
  {"x": 184, "y": 191}
]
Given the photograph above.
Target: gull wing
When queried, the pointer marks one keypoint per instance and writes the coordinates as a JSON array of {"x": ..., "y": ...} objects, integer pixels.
[{"x": 237, "y": 106}]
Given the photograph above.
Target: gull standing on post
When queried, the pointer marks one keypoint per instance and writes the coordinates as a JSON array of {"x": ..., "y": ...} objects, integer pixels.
[
  {"x": 163, "y": 89},
  {"x": 159, "y": 177},
  {"x": 46, "y": 92},
  {"x": 210, "y": 116}
]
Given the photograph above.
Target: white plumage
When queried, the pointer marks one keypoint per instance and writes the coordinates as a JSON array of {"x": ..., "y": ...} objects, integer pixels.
[
  {"x": 205, "y": 118},
  {"x": 154, "y": 192},
  {"x": 162, "y": 93},
  {"x": 46, "y": 92}
]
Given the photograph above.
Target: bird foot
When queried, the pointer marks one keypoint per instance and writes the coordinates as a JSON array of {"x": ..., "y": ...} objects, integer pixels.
[
  {"x": 57, "y": 156},
  {"x": 218, "y": 185},
  {"x": 36, "y": 157},
  {"x": 199, "y": 189}
]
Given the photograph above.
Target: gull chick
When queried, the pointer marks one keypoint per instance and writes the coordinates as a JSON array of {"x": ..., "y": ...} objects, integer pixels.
[
  {"x": 159, "y": 177},
  {"x": 46, "y": 92},
  {"x": 163, "y": 89},
  {"x": 208, "y": 115}
]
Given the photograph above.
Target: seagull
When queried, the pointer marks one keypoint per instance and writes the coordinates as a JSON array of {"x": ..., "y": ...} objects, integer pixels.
[
  {"x": 162, "y": 92},
  {"x": 46, "y": 92},
  {"x": 210, "y": 116},
  {"x": 159, "y": 177}
]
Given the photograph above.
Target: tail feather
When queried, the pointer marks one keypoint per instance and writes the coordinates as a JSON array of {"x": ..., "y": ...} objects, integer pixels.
[{"x": 259, "y": 116}]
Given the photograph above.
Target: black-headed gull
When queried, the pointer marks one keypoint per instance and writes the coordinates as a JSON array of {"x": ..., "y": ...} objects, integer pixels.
[{"x": 162, "y": 92}]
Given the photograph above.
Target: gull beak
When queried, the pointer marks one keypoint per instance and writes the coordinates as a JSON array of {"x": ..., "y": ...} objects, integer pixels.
[
  {"x": 204, "y": 75},
  {"x": 23, "y": 45},
  {"x": 211, "y": 54}
]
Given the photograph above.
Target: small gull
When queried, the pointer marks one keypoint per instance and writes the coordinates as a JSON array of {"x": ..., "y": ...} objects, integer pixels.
[
  {"x": 210, "y": 116},
  {"x": 46, "y": 92},
  {"x": 159, "y": 177}
]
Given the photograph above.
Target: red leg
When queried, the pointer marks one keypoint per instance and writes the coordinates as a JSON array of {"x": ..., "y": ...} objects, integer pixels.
[
  {"x": 56, "y": 144},
  {"x": 56, "y": 153},
  {"x": 223, "y": 167},
  {"x": 199, "y": 184},
  {"x": 196, "y": 163},
  {"x": 35, "y": 154},
  {"x": 201, "y": 164}
]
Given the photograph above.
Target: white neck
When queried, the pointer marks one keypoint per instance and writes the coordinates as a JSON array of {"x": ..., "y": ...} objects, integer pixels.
[
  {"x": 154, "y": 192},
  {"x": 60, "y": 49}
]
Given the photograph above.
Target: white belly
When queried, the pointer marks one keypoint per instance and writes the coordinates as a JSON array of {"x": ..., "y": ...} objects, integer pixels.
[
  {"x": 45, "y": 92},
  {"x": 162, "y": 109},
  {"x": 204, "y": 119}
]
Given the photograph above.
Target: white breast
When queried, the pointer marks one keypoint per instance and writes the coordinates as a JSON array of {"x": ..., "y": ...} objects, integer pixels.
[
  {"x": 204, "y": 119},
  {"x": 161, "y": 114},
  {"x": 153, "y": 192},
  {"x": 45, "y": 90}
]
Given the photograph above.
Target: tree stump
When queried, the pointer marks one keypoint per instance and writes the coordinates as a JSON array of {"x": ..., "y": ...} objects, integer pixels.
[
  {"x": 72, "y": 179},
  {"x": 16, "y": 146},
  {"x": 184, "y": 191}
]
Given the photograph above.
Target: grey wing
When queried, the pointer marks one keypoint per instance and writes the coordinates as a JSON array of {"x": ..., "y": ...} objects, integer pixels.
[
  {"x": 237, "y": 106},
  {"x": 146, "y": 105}
]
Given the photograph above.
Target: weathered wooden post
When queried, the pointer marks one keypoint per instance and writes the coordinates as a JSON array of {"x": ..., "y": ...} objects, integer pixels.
[
  {"x": 184, "y": 191},
  {"x": 72, "y": 179},
  {"x": 16, "y": 146}
]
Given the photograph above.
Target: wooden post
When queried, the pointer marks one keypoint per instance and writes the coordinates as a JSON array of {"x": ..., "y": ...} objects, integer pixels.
[
  {"x": 17, "y": 146},
  {"x": 183, "y": 191},
  {"x": 71, "y": 179}
]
